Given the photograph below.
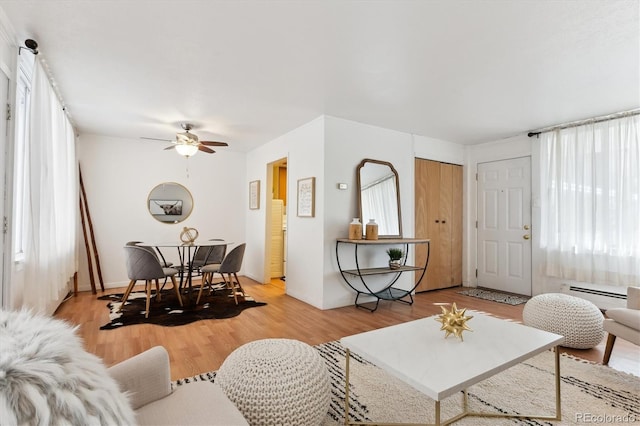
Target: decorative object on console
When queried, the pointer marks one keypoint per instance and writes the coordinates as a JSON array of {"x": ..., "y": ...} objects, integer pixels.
[
  {"x": 454, "y": 321},
  {"x": 189, "y": 235},
  {"x": 355, "y": 229},
  {"x": 48, "y": 378},
  {"x": 395, "y": 256},
  {"x": 372, "y": 230}
]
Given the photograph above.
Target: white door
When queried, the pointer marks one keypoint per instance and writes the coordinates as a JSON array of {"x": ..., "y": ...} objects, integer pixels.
[{"x": 504, "y": 225}]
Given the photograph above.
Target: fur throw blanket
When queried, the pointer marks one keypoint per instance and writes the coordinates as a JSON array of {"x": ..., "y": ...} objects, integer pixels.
[{"x": 47, "y": 378}]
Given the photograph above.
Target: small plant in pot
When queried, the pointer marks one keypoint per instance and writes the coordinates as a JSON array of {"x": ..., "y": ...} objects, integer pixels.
[{"x": 395, "y": 257}]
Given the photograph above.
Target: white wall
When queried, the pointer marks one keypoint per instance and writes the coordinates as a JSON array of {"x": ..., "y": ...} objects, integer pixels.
[
  {"x": 118, "y": 175},
  {"x": 304, "y": 149},
  {"x": 347, "y": 143},
  {"x": 330, "y": 149},
  {"x": 438, "y": 150}
]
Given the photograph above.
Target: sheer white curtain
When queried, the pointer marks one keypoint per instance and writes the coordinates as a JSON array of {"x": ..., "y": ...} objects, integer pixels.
[
  {"x": 51, "y": 199},
  {"x": 590, "y": 206},
  {"x": 375, "y": 201}
]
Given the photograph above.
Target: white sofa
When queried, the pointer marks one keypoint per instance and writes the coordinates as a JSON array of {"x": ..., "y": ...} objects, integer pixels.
[
  {"x": 47, "y": 377},
  {"x": 146, "y": 379},
  {"x": 623, "y": 322}
]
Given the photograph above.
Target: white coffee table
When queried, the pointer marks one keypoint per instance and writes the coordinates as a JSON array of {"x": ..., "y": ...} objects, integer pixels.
[{"x": 417, "y": 353}]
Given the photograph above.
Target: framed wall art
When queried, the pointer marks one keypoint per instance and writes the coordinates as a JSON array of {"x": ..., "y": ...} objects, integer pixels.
[
  {"x": 254, "y": 195},
  {"x": 306, "y": 197}
]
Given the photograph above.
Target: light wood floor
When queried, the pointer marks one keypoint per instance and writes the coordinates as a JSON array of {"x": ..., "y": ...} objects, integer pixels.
[{"x": 203, "y": 345}]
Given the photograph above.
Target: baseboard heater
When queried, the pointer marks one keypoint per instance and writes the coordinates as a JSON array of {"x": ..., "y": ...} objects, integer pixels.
[
  {"x": 597, "y": 292},
  {"x": 602, "y": 298}
]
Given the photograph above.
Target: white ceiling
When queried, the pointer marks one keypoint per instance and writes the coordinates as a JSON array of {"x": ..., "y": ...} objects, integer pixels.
[{"x": 248, "y": 71}]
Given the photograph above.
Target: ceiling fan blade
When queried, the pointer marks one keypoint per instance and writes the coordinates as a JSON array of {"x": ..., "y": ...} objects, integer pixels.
[
  {"x": 169, "y": 147},
  {"x": 205, "y": 149},
  {"x": 156, "y": 139},
  {"x": 213, "y": 143}
]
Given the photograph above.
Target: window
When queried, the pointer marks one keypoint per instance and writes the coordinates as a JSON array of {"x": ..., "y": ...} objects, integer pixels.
[
  {"x": 590, "y": 202},
  {"x": 23, "y": 99}
]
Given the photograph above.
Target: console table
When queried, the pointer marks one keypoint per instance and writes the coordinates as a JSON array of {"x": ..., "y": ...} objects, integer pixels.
[{"x": 388, "y": 292}]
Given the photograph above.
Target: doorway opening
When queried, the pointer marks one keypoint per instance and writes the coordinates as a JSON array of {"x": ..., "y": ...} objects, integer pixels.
[{"x": 276, "y": 217}]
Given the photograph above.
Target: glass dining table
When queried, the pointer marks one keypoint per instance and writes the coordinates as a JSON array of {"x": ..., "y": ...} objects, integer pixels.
[{"x": 186, "y": 254}]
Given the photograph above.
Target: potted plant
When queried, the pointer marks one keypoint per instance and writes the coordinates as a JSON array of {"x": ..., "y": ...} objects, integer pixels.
[{"x": 395, "y": 256}]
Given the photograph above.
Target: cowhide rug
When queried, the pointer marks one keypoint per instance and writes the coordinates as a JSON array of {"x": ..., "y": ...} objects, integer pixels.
[{"x": 168, "y": 312}]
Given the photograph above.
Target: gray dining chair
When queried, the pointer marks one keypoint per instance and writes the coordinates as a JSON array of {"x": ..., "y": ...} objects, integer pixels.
[
  {"x": 206, "y": 255},
  {"x": 142, "y": 264},
  {"x": 230, "y": 265},
  {"x": 156, "y": 251}
]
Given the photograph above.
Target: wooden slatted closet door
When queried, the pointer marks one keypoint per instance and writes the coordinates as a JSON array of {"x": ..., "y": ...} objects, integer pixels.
[
  {"x": 456, "y": 226},
  {"x": 427, "y": 201},
  {"x": 438, "y": 216}
]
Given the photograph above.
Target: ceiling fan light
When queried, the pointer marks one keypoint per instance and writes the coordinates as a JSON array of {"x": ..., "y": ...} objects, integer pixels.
[
  {"x": 187, "y": 150},
  {"x": 186, "y": 137}
]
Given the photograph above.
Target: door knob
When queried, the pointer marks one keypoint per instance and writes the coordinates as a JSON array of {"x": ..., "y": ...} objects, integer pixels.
[
  {"x": 526, "y": 227},
  {"x": 526, "y": 237}
]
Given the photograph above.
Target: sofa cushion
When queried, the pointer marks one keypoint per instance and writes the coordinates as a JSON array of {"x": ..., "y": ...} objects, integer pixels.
[
  {"x": 628, "y": 317},
  {"x": 199, "y": 403}
]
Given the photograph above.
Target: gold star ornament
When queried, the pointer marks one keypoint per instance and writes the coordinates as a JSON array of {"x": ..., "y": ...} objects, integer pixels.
[{"x": 453, "y": 321}]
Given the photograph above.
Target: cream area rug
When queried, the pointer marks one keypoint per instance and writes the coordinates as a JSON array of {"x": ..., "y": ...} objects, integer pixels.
[{"x": 591, "y": 393}]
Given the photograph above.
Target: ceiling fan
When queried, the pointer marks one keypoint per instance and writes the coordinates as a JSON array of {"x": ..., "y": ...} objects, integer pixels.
[{"x": 188, "y": 144}]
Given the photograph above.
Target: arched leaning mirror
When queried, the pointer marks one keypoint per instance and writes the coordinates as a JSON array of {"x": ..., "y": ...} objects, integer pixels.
[
  {"x": 170, "y": 202},
  {"x": 379, "y": 197}
]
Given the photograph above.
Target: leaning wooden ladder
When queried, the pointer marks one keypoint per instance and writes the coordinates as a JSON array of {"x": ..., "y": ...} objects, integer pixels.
[{"x": 84, "y": 211}]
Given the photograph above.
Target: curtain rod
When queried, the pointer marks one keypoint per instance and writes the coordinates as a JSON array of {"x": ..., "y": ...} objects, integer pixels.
[
  {"x": 593, "y": 120},
  {"x": 56, "y": 90}
]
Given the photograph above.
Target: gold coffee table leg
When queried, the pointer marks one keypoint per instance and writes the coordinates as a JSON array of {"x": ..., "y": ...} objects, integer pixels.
[{"x": 558, "y": 399}]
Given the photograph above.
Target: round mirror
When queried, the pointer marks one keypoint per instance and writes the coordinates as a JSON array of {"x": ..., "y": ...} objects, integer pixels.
[{"x": 170, "y": 202}]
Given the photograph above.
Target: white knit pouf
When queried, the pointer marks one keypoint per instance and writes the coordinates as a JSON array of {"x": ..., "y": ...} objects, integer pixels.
[
  {"x": 578, "y": 320},
  {"x": 277, "y": 382}
]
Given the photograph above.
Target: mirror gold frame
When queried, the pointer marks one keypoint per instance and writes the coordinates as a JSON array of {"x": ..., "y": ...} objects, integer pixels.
[
  {"x": 374, "y": 172},
  {"x": 170, "y": 203}
]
